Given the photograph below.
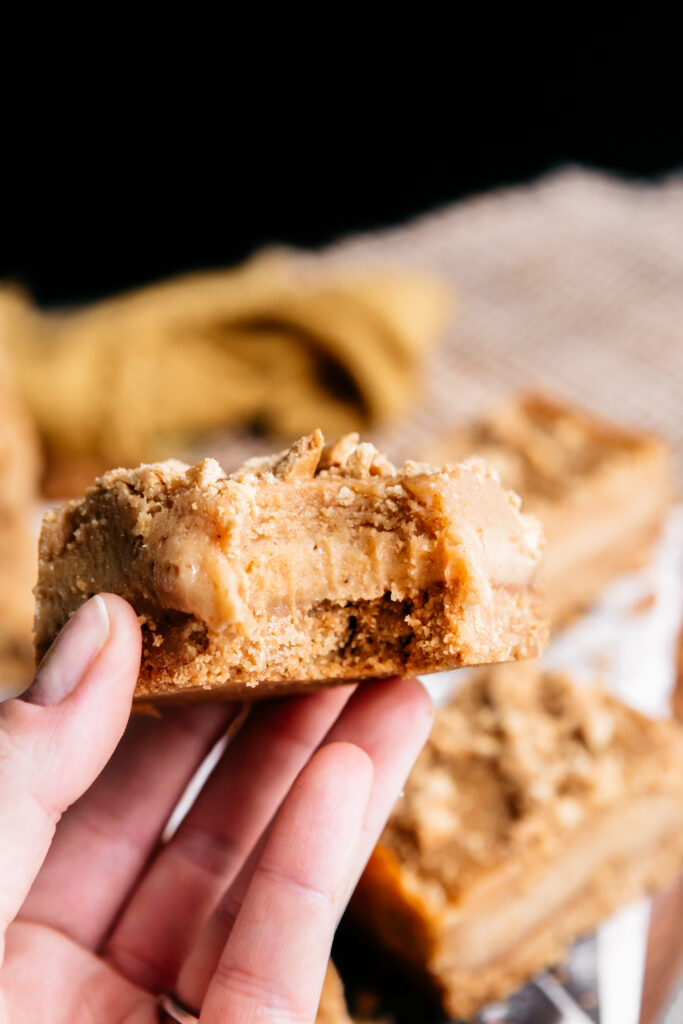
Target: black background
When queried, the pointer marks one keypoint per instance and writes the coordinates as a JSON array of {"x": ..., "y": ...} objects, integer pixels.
[{"x": 191, "y": 144}]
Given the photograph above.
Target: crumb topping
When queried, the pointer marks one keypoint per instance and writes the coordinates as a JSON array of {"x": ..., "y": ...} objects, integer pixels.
[
  {"x": 306, "y": 459},
  {"x": 310, "y": 457},
  {"x": 518, "y": 756}
]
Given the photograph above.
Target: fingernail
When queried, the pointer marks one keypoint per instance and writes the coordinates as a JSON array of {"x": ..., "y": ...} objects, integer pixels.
[{"x": 71, "y": 654}]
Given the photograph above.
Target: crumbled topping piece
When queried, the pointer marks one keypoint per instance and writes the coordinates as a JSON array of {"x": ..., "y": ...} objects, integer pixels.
[
  {"x": 336, "y": 454},
  {"x": 301, "y": 461},
  {"x": 366, "y": 461},
  {"x": 345, "y": 496},
  {"x": 309, "y": 457}
]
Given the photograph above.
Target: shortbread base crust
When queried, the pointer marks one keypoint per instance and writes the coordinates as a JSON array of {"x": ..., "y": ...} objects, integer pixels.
[{"x": 329, "y": 645}]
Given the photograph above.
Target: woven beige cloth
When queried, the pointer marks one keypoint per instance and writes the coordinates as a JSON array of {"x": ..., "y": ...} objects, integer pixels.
[{"x": 572, "y": 284}]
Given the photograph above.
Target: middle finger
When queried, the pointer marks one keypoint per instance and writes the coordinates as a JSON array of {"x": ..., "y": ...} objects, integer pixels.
[
  {"x": 390, "y": 721},
  {"x": 191, "y": 872}
]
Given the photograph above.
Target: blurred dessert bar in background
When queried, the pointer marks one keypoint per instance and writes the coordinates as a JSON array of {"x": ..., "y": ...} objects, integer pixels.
[
  {"x": 601, "y": 492},
  {"x": 18, "y": 493},
  {"x": 317, "y": 565},
  {"x": 535, "y": 810},
  {"x": 17, "y": 579}
]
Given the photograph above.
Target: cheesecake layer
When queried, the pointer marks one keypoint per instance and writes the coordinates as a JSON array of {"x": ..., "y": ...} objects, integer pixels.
[
  {"x": 318, "y": 565},
  {"x": 535, "y": 810}
]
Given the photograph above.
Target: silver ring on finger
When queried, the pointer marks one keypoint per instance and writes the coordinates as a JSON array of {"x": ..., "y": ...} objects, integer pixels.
[{"x": 177, "y": 1011}]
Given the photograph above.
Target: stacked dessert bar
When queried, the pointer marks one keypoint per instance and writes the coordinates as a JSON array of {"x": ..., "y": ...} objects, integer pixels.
[{"x": 535, "y": 810}]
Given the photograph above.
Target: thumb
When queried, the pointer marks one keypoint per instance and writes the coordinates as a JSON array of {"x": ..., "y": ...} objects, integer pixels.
[{"x": 57, "y": 737}]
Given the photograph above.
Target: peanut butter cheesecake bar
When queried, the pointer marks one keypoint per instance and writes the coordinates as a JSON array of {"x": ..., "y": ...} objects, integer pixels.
[
  {"x": 317, "y": 565},
  {"x": 535, "y": 810},
  {"x": 601, "y": 492}
]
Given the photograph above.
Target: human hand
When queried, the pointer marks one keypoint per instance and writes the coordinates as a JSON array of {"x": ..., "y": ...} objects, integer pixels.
[{"x": 237, "y": 911}]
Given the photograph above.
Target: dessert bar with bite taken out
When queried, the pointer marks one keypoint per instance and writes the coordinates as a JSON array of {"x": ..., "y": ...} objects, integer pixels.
[{"x": 318, "y": 565}]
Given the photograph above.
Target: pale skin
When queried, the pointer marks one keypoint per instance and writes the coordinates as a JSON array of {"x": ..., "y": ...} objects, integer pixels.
[{"x": 236, "y": 913}]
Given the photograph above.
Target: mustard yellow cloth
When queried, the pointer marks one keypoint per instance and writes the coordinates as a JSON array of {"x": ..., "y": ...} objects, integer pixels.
[{"x": 275, "y": 344}]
